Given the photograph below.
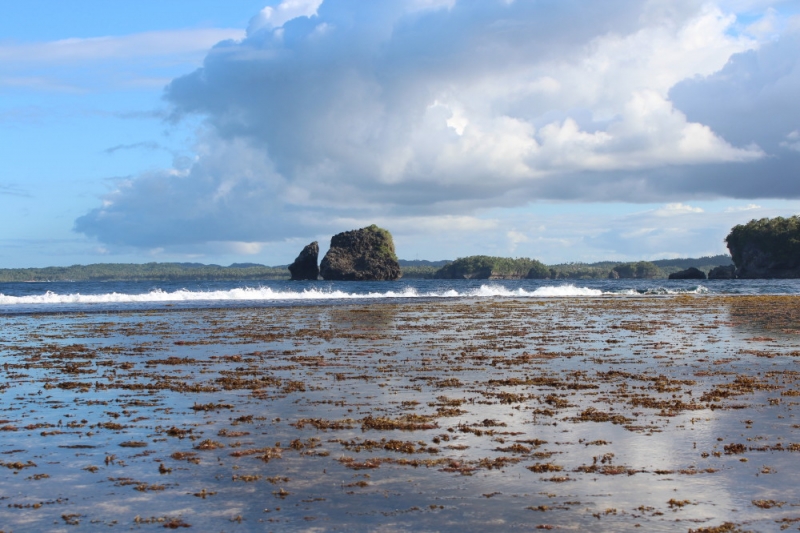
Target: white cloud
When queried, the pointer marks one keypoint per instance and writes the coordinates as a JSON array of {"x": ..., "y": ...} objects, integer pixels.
[
  {"x": 421, "y": 110},
  {"x": 792, "y": 141},
  {"x": 767, "y": 27},
  {"x": 515, "y": 238},
  {"x": 422, "y": 225},
  {"x": 142, "y": 61},
  {"x": 138, "y": 45},
  {"x": 420, "y": 5},
  {"x": 270, "y": 18},
  {"x": 741, "y": 208},
  {"x": 241, "y": 248},
  {"x": 670, "y": 210},
  {"x": 230, "y": 182}
]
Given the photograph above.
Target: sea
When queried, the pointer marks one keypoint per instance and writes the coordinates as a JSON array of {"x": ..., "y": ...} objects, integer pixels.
[
  {"x": 46, "y": 297},
  {"x": 448, "y": 406}
]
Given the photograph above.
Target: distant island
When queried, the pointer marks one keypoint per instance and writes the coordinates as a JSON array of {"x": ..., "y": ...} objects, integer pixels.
[
  {"x": 145, "y": 272},
  {"x": 474, "y": 267},
  {"x": 490, "y": 267}
]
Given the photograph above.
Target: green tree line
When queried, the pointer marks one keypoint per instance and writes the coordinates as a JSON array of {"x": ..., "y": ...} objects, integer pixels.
[
  {"x": 478, "y": 267},
  {"x": 143, "y": 272}
]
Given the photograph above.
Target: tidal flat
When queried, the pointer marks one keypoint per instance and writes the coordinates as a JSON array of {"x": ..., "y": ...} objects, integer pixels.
[{"x": 670, "y": 413}]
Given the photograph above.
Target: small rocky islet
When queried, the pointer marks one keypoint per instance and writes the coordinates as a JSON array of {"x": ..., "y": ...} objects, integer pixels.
[{"x": 365, "y": 254}]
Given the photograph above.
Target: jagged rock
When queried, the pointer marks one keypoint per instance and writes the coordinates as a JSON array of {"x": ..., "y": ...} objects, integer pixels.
[
  {"x": 689, "y": 273},
  {"x": 305, "y": 266},
  {"x": 723, "y": 272},
  {"x": 365, "y": 254}
]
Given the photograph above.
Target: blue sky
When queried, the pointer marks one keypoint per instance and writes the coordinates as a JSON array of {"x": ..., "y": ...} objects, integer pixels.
[{"x": 241, "y": 131}]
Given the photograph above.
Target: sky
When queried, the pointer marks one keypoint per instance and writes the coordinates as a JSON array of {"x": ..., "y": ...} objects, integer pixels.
[{"x": 562, "y": 130}]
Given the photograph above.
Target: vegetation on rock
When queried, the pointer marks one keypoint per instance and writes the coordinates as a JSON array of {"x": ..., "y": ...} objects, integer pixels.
[
  {"x": 490, "y": 267},
  {"x": 365, "y": 254},
  {"x": 386, "y": 243},
  {"x": 639, "y": 270},
  {"x": 420, "y": 268},
  {"x": 779, "y": 238}
]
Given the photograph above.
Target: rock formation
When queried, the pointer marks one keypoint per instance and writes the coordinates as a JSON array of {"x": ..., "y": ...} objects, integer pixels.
[
  {"x": 723, "y": 272},
  {"x": 305, "y": 266},
  {"x": 766, "y": 248},
  {"x": 365, "y": 254},
  {"x": 689, "y": 273},
  {"x": 757, "y": 263}
]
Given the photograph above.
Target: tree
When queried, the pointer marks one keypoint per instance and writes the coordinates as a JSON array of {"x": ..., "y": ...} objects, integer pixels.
[{"x": 640, "y": 270}]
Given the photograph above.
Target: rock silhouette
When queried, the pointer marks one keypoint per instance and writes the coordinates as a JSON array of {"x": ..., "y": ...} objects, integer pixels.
[
  {"x": 305, "y": 266},
  {"x": 689, "y": 273},
  {"x": 722, "y": 272}
]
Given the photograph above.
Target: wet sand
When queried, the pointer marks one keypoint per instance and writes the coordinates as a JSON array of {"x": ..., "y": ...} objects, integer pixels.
[{"x": 609, "y": 414}]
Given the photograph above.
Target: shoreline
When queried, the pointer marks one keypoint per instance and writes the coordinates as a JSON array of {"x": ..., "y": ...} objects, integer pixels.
[{"x": 589, "y": 413}]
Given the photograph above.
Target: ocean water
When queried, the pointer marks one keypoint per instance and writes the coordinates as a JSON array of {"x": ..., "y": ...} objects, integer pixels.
[
  {"x": 112, "y": 296},
  {"x": 468, "y": 406}
]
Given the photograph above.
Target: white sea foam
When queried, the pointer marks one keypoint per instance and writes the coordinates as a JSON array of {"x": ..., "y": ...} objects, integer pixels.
[{"x": 265, "y": 294}]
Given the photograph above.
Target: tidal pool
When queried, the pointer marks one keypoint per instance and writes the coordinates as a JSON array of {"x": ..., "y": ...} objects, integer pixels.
[{"x": 609, "y": 414}]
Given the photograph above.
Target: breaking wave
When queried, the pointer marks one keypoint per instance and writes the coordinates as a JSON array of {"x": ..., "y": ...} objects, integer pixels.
[{"x": 267, "y": 294}]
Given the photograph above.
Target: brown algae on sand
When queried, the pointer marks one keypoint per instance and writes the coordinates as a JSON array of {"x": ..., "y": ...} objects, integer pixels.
[{"x": 673, "y": 413}]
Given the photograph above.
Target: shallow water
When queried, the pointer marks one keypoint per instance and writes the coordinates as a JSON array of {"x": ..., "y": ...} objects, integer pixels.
[{"x": 649, "y": 414}]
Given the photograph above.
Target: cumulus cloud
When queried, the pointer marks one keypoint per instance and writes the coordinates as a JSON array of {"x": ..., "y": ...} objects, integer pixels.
[
  {"x": 752, "y": 99},
  {"x": 230, "y": 181},
  {"x": 434, "y": 108}
]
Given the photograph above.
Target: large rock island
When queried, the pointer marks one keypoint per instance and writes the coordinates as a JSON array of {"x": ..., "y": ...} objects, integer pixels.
[
  {"x": 365, "y": 254},
  {"x": 766, "y": 248}
]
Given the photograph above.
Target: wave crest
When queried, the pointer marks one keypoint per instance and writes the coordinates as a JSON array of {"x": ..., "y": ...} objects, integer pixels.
[{"x": 264, "y": 294}]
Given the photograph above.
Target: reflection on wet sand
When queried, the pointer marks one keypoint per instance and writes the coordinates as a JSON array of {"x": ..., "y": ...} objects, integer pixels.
[{"x": 611, "y": 414}]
